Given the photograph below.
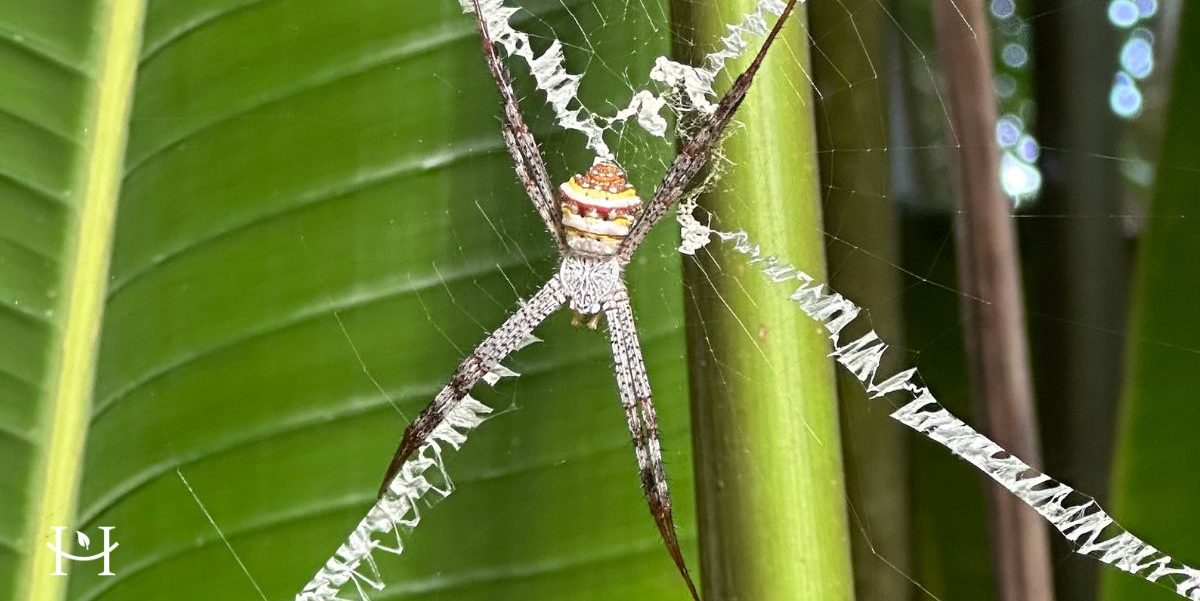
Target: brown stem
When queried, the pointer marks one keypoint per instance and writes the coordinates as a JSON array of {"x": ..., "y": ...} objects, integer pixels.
[{"x": 997, "y": 350}]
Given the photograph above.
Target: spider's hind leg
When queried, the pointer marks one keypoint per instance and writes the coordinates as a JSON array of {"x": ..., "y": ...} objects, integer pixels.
[
  {"x": 506, "y": 339},
  {"x": 634, "y": 386}
]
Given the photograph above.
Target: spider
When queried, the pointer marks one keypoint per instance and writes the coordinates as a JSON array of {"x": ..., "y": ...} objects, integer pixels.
[{"x": 597, "y": 221}]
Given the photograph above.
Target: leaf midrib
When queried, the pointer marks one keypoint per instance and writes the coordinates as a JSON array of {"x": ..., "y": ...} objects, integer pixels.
[{"x": 97, "y": 182}]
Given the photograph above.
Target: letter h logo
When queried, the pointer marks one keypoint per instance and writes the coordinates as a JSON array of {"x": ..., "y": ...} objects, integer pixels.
[{"x": 85, "y": 542}]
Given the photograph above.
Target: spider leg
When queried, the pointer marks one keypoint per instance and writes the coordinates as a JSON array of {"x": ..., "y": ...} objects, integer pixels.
[
  {"x": 698, "y": 148},
  {"x": 501, "y": 343},
  {"x": 643, "y": 425},
  {"x": 527, "y": 159}
]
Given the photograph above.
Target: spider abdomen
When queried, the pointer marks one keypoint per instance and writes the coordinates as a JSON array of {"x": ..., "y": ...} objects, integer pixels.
[{"x": 599, "y": 209}]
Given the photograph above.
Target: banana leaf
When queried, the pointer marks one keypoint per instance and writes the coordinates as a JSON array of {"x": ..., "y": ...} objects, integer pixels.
[{"x": 227, "y": 283}]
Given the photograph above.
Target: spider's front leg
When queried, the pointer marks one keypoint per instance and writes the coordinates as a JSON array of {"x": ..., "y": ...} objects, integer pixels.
[
  {"x": 697, "y": 149},
  {"x": 506, "y": 339},
  {"x": 522, "y": 147},
  {"x": 634, "y": 386}
]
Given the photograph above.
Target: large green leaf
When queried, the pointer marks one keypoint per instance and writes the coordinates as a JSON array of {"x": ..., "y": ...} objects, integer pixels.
[
  {"x": 316, "y": 220},
  {"x": 1154, "y": 491},
  {"x": 68, "y": 69}
]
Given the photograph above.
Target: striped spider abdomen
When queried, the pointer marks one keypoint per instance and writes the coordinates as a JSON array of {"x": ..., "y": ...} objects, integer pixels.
[{"x": 598, "y": 209}]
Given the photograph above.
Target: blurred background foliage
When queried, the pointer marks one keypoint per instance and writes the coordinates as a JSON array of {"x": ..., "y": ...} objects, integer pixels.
[{"x": 317, "y": 220}]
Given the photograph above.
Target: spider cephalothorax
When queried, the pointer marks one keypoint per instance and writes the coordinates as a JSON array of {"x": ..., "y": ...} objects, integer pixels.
[{"x": 599, "y": 209}]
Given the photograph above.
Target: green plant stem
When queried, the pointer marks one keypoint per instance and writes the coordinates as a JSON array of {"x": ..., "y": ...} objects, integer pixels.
[{"x": 770, "y": 490}]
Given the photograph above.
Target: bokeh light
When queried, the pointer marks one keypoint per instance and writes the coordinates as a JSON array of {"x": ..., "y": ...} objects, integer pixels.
[
  {"x": 1147, "y": 8},
  {"x": 1125, "y": 98},
  {"x": 1004, "y": 9},
  {"x": 1136, "y": 58},
  {"x": 1008, "y": 131},
  {"x": 1015, "y": 55},
  {"x": 1028, "y": 149},
  {"x": 1124, "y": 13},
  {"x": 1020, "y": 176}
]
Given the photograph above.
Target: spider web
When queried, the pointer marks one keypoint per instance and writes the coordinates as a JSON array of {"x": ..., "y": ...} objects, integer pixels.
[
  {"x": 884, "y": 136},
  {"x": 635, "y": 128}
]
